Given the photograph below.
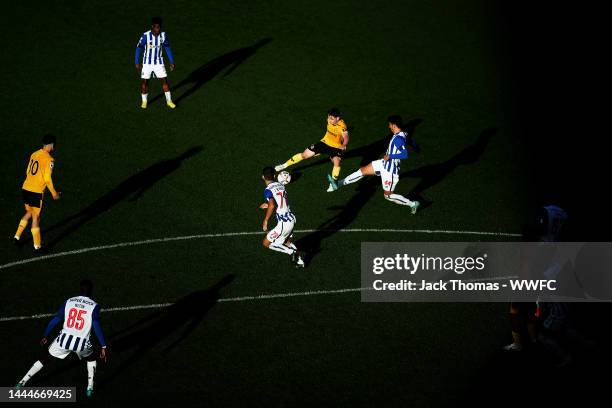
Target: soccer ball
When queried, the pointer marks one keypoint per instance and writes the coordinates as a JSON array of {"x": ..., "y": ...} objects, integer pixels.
[{"x": 284, "y": 177}]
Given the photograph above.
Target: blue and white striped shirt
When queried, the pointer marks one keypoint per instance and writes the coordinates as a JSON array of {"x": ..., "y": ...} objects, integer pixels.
[
  {"x": 396, "y": 152},
  {"x": 153, "y": 46}
]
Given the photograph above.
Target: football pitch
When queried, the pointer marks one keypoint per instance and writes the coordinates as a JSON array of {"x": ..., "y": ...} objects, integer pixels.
[{"x": 159, "y": 207}]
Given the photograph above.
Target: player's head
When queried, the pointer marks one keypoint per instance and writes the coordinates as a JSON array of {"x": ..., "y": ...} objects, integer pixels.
[
  {"x": 395, "y": 123},
  {"x": 86, "y": 287},
  {"x": 156, "y": 23},
  {"x": 267, "y": 174},
  {"x": 333, "y": 116},
  {"x": 48, "y": 142}
]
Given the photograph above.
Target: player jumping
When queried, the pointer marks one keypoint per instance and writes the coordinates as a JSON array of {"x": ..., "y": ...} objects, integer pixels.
[
  {"x": 333, "y": 144},
  {"x": 279, "y": 238},
  {"x": 153, "y": 42},
  {"x": 387, "y": 168},
  {"x": 79, "y": 314},
  {"x": 38, "y": 178}
]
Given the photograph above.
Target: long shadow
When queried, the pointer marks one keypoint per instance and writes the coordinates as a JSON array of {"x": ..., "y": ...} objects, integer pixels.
[
  {"x": 433, "y": 174},
  {"x": 184, "y": 316},
  {"x": 139, "y": 338},
  {"x": 366, "y": 189},
  {"x": 373, "y": 150},
  {"x": 212, "y": 68},
  {"x": 133, "y": 188},
  {"x": 311, "y": 243}
]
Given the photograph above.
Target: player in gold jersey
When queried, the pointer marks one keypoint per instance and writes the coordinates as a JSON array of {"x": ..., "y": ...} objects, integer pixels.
[
  {"x": 38, "y": 178},
  {"x": 333, "y": 144}
]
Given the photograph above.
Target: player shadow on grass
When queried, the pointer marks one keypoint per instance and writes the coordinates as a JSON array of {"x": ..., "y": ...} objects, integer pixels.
[
  {"x": 370, "y": 152},
  {"x": 212, "y": 68},
  {"x": 131, "y": 188},
  {"x": 142, "y": 336},
  {"x": 183, "y": 317},
  {"x": 433, "y": 174}
]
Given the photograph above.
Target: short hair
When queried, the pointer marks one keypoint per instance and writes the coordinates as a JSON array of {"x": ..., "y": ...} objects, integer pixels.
[
  {"x": 86, "y": 287},
  {"x": 48, "y": 139},
  {"x": 268, "y": 173},
  {"x": 396, "y": 120},
  {"x": 156, "y": 20},
  {"x": 335, "y": 112}
]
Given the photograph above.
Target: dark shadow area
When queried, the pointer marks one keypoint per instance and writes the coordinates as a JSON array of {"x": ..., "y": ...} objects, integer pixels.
[
  {"x": 214, "y": 67},
  {"x": 131, "y": 189},
  {"x": 184, "y": 316},
  {"x": 433, "y": 174},
  {"x": 311, "y": 243}
]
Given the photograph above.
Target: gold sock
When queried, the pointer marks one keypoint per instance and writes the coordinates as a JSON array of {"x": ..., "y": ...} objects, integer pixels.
[
  {"x": 20, "y": 228},
  {"x": 36, "y": 237},
  {"x": 295, "y": 159},
  {"x": 336, "y": 172}
]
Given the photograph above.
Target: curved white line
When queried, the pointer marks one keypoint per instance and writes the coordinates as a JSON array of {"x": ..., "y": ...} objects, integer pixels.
[{"x": 234, "y": 234}]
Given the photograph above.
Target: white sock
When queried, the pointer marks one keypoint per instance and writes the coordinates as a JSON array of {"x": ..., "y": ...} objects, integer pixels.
[
  {"x": 281, "y": 248},
  {"x": 91, "y": 371},
  {"x": 168, "y": 97},
  {"x": 144, "y": 97},
  {"x": 351, "y": 178},
  {"x": 292, "y": 246},
  {"x": 399, "y": 199},
  {"x": 35, "y": 368}
]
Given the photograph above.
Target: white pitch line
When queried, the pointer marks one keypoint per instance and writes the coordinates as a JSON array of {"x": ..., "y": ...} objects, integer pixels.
[
  {"x": 234, "y": 234},
  {"x": 233, "y": 299}
]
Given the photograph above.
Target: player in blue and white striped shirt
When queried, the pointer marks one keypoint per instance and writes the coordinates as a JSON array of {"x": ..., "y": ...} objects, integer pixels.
[
  {"x": 79, "y": 314},
  {"x": 153, "y": 43},
  {"x": 387, "y": 168}
]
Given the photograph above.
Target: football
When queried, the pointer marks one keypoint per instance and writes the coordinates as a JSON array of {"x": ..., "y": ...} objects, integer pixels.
[{"x": 284, "y": 177}]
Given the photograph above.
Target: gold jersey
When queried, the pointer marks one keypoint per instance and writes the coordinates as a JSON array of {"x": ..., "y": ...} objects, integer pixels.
[
  {"x": 333, "y": 136},
  {"x": 38, "y": 173}
]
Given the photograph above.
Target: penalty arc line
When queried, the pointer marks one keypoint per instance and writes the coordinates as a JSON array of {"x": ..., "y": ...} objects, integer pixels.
[{"x": 235, "y": 234}]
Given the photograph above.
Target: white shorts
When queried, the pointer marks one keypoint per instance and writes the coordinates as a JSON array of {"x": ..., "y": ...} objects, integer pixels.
[
  {"x": 389, "y": 180},
  {"x": 158, "y": 69},
  {"x": 60, "y": 352},
  {"x": 281, "y": 231}
]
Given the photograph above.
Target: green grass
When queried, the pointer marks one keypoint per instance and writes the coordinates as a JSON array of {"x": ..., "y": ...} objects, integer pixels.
[{"x": 71, "y": 73}]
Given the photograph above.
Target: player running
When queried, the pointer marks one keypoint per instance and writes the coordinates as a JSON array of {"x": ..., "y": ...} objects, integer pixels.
[
  {"x": 387, "y": 168},
  {"x": 279, "y": 238},
  {"x": 38, "y": 178},
  {"x": 79, "y": 315},
  {"x": 153, "y": 42},
  {"x": 333, "y": 144}
]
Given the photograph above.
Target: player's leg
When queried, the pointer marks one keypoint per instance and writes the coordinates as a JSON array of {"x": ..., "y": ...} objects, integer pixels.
[
  {"x": 389, "y": 181},
  {"x": 91, "y": 372},
  {"x": 23, "y": 223},
  {"x": 336, "y": 160},
  {"x": 166, "y": 88},
  {"x": 36, "y": 367},
  {"x": 278, "y": 247},
  {"x": 353, "y": 177},
  {"x": 144, "y": 90},
  {"x": 296, "y": 158},
  {"x": 36, "y": 230},
  {"x": 276, "y": 238}
]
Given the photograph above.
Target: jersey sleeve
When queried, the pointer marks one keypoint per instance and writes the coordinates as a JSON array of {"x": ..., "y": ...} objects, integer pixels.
[
  {"x": 268, "y": 195},
  {"x": 95, "y": 321},
  {"x": 166, "y": 45},
  {"x": 139, "y": 47},
  {"x": 400, "y": 145},
  {"x": 47, "y": 170},
  {"x": 59, "y": 317}
]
